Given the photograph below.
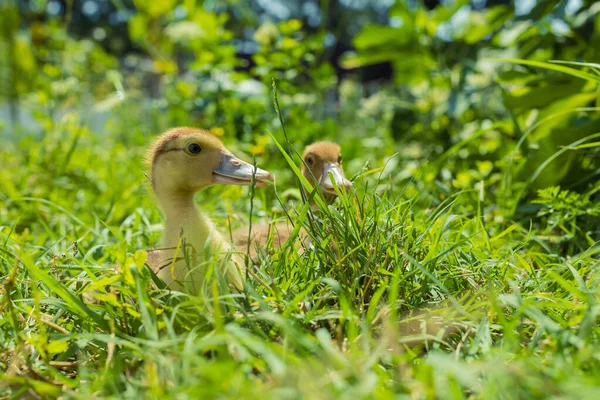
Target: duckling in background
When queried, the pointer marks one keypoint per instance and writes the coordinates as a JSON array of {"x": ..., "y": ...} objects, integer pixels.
[
  {"x": 322, "y": 163},
  {"x": 182, "y": 162}
]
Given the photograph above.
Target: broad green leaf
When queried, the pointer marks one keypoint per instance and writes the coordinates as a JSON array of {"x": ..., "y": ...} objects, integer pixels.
[
  {"x": 379, "y": 35},
  {"x": 138, "y": 27}
]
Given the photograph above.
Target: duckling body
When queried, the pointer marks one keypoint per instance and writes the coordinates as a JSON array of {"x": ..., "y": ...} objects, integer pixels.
[
  {"x": 259, "y": 237},
  {"x": 184, "y": 161},
  {"x": 322, "y": 162}
]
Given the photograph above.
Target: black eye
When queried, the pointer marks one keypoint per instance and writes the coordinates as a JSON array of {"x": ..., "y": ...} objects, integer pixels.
[
  {"x": 310, "y": 160},
  {"x": 340, "y": 159},
  {"x": 194, "y": 148}
]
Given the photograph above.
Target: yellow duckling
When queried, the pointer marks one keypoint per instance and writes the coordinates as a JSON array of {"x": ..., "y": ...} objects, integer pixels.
[
  {"x": 182, "y": 162},
  {"x": 322, "y": 162}
]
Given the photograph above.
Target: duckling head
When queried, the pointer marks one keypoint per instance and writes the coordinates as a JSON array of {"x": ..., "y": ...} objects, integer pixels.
[
  {"x": 186, "y": 160},
  {"x": 323, "y": 166}
]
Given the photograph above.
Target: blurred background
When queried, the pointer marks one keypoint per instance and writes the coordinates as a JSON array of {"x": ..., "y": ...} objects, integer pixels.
[
  {"x": 420, "y": 79},
  {"x": 470, "y": 130}
]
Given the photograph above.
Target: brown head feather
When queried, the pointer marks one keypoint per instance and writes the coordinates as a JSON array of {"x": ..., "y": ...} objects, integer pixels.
[
  {"x": 171, "y": 140},
  {"x": 326, "y": 151},
  {"x": 161, "y": 144}
]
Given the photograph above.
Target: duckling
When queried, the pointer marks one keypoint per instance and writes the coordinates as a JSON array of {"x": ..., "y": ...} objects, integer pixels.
[
  {"x": 182, "y": 162},
  {"x": 322, "y": 162}
]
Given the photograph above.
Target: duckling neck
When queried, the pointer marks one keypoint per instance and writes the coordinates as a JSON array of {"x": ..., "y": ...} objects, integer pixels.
[
  {"x": 329, "y": 199},
  {"x": 182, "y": 215}
]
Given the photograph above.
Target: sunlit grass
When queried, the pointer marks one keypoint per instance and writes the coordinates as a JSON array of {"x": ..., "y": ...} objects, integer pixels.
[{"x": 403, "y": 289}]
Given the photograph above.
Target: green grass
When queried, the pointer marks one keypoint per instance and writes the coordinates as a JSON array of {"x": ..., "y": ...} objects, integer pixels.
[{"x": 409, "y": 290}]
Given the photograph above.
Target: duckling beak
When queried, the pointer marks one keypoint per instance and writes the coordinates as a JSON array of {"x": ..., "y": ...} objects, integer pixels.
[
  {"x": 334, "y": 170},
  {"x": 233, "y": 171}
]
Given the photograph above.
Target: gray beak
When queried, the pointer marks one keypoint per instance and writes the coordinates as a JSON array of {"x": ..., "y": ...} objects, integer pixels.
[
  {"x": 334, "y": 172},
  {"x": 233, "y": 171}
]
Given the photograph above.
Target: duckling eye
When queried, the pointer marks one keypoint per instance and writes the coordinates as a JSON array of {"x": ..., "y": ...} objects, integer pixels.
[
  {"x": 194, "y": 148},
  {"x": 310, "y": 160}
]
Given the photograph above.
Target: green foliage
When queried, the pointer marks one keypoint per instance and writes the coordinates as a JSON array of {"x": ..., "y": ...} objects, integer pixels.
[
  {"x": 569, "y": 217},
  {"x": 463, "y": 264}
]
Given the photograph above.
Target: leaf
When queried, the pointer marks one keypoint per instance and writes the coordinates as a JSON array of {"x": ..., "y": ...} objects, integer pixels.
[
  {"x": 379, "y": 36},
  {"x": 106, "y": 281},
  {"x": 108, "y": 298},
  {"x": 155, "y": 8},
  {"x": 373, "y": 304},
  {"x": 110, "y": 102},
  {"x": 184, "y": 31},
  {"x": 209, "y": 24},
  {"x": 542, "y": 94},
  {"x": 42, "y": 388},
  {"x": 72, "y": 302},
  {"x": 147, "y": 310},
  {"x": 138, "y": 27},
  {"x": 140, "y": 258},
  {"x": 553, "y": 67},
  {"x": 562, "y": 166},
  {"x": 352, "y": 60},
  {"x": 57, "y": 346},
  {"x": 126, "y": 272},
  {"x": 595, "y": 66},
  {"x": 483, "y": 24},
  {"x": 25, "y": 60}
]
